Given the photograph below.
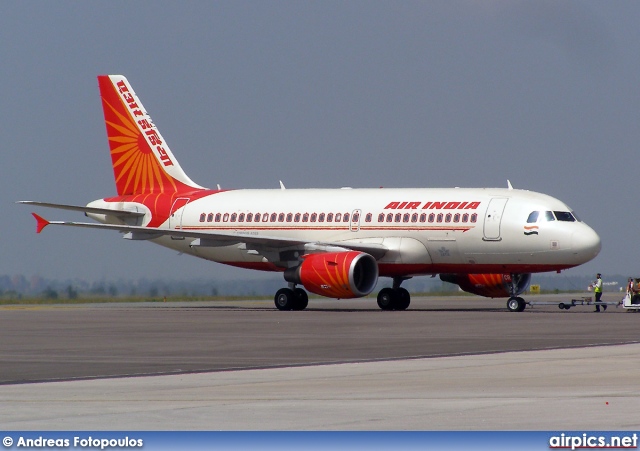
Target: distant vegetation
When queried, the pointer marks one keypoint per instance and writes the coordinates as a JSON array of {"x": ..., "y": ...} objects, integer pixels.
[{"x": 20, "y": 289}]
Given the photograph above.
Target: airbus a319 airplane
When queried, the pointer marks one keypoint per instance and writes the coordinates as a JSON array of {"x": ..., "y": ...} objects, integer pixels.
[{"x": 333, "y": 242}]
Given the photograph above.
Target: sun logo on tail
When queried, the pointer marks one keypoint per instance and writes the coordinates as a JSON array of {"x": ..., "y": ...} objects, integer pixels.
[
  {"x": 142, "y": 162},
  {"x": 135, "y": 167}
]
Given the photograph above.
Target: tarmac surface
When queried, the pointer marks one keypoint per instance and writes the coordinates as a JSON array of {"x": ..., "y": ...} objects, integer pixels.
[{"x": 461, "y": 363}]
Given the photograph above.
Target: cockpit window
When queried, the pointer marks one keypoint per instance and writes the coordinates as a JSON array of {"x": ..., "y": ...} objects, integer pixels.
[
  {"x": 564, "y": 216},
  {"x": 548, "y": 216},
  {"x": 533, "y": 217}
]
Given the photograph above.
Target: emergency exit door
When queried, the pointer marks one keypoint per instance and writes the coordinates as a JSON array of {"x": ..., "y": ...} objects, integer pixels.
[{"x": 175, "y": 220}]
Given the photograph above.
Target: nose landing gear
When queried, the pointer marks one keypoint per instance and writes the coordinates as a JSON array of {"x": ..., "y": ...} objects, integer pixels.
[{"x": 516, "y": 304}]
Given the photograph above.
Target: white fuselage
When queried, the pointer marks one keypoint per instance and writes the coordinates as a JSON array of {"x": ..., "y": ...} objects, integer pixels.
[{"x": 426, "y": 231}]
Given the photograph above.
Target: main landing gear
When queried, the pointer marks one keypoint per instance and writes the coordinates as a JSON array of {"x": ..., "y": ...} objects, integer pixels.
[
  {"x": 395, "y": 298},
  {"x": 291, "y": 298}
]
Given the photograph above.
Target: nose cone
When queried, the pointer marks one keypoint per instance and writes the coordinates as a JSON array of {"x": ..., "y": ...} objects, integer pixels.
[{"x": 585, "y": 244}]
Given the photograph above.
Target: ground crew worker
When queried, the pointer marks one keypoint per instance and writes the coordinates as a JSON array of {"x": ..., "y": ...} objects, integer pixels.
[{"x": 597, "y": 289}]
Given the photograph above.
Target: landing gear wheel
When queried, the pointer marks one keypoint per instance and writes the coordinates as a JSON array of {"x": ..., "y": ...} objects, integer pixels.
[
  {"x": 285, "y": 299},
  {"x": 516, "y": 304},
  {"x": 402, "y": 299},
  {"x": 386, "y": 299},
  {"x": 302, "y": 299}
]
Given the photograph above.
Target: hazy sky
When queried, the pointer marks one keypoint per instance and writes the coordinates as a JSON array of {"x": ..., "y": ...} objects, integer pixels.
[{"x": 320, "y": 94}]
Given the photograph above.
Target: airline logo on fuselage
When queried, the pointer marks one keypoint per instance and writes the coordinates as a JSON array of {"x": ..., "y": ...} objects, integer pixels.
[
  {"x": 446, "y": 205},
  {"x": 144, "y": 123}
]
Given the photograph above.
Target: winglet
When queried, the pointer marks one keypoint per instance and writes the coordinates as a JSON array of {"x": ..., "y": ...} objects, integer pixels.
[{"x": 41, "y": 222}]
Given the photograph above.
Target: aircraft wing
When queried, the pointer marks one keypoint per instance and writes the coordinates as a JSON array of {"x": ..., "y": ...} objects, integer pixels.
[
  {"x": 100, "y": 211},
  {"x": 216, "y": 238}
]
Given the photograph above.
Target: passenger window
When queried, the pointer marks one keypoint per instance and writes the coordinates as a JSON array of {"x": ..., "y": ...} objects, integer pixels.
[
  {"x": 389, "y": 217},
  {"x": 456, "y": 217},
  {"x": 338, "y": 217},
  {"x": 366, "y": 218},
  {"x": 281, "y": 217},
  {"x": 273, "y": 217},
  {"x": 305, "y": 217},
  {"x": 405, "y": 218},
  {"x": 289, "y": 217},
  {"x": 314, "y": 216},
  {"x": 218, "y": 216},
  {"x": 345, "y": 217},
  {"x": 414, "y": 217},
  {"x": 330, "y": 217},
  {"x": 321, "y": 217},
  {"x": 432, "y": 217},
  {"x": 210, "y": 217},
  {"x": 398, "y": 217},
  {"x": 250, "y": 217},
  {"x": 474, "y": 217},
  {"x": 533, "y": 217},
  {"x": 225, "y": 218},
  {"x": 257, "y": 217},
  {"x": 440, "y": 217},
  {"x": 447, "y": 218},
  {"x": 465, "y": 217},
  {"x": 381, "y": 217},
  {"x": 233, "y": 217},
  {"x": 297, "y": 217},
  {"x": 241, "y": 217},
  {"x": 265, "y": 217},
  {"x": 202, "y": 216},
  {"x": 423, "y": 217}
]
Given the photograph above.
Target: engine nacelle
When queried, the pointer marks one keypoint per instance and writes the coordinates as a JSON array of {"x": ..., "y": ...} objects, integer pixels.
[
  {"x": 489, "y": 285},
  {"x": 343, "y": 275}
]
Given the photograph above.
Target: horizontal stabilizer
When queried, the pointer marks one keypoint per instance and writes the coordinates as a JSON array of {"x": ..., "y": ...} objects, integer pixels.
[{"x": 99, "y": 211}]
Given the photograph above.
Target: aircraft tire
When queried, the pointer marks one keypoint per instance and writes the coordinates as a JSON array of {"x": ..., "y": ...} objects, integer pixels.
[
  {"x": 285, "y": 299},
  {"x": 302, "y": 299},
  {"x": 386, "y": 299},
  {"x": 516, "y": 304},
  {"x": 402, "y": 299}
]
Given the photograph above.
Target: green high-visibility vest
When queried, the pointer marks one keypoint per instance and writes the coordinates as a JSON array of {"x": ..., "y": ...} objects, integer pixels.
[{"x": 597, "y": 289}]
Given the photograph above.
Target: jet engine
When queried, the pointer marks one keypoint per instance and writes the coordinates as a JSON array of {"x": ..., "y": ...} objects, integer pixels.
[
  {"x": 490, "y": 285},
  {"x": 349, "y": 274}
]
